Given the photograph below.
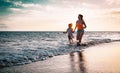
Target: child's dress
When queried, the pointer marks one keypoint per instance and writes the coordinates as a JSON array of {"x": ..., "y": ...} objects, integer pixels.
[{"x": 70, "y": 33}]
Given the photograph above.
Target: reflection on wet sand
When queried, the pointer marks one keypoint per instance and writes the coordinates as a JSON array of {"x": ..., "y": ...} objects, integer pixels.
[
  {"x": 77, "y": 62},
  {"x": 103, "y": 58}
]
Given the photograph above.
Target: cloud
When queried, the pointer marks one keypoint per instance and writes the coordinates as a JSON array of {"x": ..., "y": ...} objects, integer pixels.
[
  {"x": 3, "y": 27},
  {"x": 6, "y": 6},
  {"x": 113, "y": 2},
  {"x": 11, "y": 6},
  {"x": 39, "y": 12},
  {"x": 116, "y": 12},
  {"x": 88, "y": 3}
]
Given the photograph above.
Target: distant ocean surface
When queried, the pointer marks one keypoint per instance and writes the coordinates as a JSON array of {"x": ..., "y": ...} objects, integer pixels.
[{"x": 18, "y": 48}]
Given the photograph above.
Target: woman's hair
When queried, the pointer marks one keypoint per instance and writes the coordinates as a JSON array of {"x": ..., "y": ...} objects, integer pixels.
[{"x": 80, "y": 16}]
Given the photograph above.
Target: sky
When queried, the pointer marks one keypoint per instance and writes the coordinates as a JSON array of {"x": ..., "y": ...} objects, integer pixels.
[{"x": 55, "y": 15}]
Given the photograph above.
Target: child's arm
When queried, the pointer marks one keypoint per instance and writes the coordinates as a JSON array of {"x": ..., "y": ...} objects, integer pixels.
[
  {"x": 66, "y": 31},
  {"x": 73, "y": 30}
]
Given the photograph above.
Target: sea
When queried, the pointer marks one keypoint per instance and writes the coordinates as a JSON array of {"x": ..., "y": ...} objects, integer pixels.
[{"x": 25, "y": 47}]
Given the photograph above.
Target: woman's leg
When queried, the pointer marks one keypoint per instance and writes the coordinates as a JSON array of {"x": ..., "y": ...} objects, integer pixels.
[{"x": 80, "y": 36}]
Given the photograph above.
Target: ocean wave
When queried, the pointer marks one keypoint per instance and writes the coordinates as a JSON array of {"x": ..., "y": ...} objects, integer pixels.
[{"x": 26, "y": 56}]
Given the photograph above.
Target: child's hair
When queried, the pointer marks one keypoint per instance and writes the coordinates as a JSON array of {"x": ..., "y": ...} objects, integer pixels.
[{"x": 70, "y": 25}]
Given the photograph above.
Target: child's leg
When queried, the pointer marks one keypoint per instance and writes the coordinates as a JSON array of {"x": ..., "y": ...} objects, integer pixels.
[{"x": 70, "y": 39}]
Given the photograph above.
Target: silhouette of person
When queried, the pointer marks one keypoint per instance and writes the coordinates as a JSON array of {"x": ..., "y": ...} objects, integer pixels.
[{"x": 80, "y": 25}]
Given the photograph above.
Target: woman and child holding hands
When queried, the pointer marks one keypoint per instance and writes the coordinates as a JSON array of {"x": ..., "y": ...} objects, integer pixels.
[{"x": 80, "y": 26}]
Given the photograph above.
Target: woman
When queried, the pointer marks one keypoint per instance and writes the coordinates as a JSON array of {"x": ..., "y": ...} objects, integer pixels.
[{"x": 80, "y": 25}]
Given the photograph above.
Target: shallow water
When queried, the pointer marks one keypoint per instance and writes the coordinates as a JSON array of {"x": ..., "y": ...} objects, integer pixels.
[
  {"x": 103, "y": 58},
  {"x": 19, "y": 48}
]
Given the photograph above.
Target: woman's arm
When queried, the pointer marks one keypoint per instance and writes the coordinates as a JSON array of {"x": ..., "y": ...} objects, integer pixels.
[
  {"x": 84, "y": 24},
  {"x": 75, "y": 28}
]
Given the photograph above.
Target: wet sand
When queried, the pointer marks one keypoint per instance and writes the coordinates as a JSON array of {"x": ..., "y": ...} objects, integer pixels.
[{"x": 103, "y": 58}]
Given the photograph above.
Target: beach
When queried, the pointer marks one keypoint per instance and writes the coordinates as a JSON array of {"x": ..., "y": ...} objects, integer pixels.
[{"x": 102, "y": 58}]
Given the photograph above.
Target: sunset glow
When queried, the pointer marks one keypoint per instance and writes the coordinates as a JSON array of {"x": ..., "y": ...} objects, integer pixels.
[{"x": 55, "y": 15}]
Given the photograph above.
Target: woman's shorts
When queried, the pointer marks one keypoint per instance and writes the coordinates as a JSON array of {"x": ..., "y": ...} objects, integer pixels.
[{"x": 80, "y": 31}]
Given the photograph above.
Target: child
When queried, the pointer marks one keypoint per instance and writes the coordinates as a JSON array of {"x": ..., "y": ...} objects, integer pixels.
[{"x": 70, "y": 33}]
